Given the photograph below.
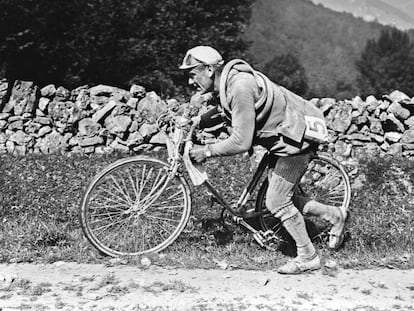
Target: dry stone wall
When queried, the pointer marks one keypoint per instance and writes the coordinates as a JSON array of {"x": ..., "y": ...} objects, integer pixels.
[
  {"x": 102, "y": 119},
  {"x": 99, "y": 119},
  {"x": 361, "y": 128}
]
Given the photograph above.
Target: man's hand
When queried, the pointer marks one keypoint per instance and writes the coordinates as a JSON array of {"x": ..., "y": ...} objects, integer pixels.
[{"x": 197, "y": 153}]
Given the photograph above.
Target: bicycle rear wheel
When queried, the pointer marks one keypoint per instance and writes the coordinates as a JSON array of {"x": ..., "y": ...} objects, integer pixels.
[
  {"x": 132, "y": 207},
  {"x": 325, "y": 181}
]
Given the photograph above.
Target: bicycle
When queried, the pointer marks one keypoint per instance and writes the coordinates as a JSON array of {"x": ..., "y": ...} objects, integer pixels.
[{"x": 141, "y": 204}]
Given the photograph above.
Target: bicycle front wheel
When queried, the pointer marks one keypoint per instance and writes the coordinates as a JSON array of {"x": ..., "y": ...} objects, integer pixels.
[
  {"x": 325, "y": 181},
  {"x": 132, "y": 207}
]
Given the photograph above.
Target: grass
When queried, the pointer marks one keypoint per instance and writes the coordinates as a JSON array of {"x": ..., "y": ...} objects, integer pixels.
[{"x": 40, "y": 196}]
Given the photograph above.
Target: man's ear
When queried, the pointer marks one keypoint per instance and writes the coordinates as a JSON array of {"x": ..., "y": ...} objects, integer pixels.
[{"x": 210, "y": 71}]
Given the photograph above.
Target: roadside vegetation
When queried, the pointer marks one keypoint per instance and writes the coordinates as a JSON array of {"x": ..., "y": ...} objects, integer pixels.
[{"x": 39, "y": 222}]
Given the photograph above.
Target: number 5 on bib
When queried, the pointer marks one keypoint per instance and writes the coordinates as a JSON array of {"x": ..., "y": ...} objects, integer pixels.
[{"x": 316, "y": 129}]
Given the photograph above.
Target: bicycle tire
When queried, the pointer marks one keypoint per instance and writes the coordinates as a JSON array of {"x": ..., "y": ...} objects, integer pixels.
[
  {"x": 129, "y": 209},
  {"x": 325, "y": 181}
]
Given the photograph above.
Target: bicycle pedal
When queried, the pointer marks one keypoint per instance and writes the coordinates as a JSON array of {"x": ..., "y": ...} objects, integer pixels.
[
  {"x": 268, "y": 233},
  {"x": 259, "y": 238}
]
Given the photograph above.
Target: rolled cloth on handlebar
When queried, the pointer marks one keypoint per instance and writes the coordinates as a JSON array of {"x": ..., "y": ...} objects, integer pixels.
[{"x": 197, "y": 173}]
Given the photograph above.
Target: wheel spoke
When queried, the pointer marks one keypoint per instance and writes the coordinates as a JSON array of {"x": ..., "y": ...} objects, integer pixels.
[
  {"x": 112, "y": 195},
  {"x": 112, "y": 224},
  {"x": 144, "y": 180},
  {"x": 133, "y": 183},
  {"x": 173, "y": 196},
  {"x": 152, "y": 197},
  {"x": 153, "y": 189},
  {"x": 119, "y": 189},
  {"x": 108, "y": 215},
  {"x": 97, "y": 206},
  {"x": 164, "y": 233}
]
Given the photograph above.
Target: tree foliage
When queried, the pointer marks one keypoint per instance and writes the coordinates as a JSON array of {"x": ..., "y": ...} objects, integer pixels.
[
  {"x": 286, "y": 70},
  {"x": 327, "y": 43},
  {"x": 387, "y": 64},
  {"x": 74, "y": 42}
]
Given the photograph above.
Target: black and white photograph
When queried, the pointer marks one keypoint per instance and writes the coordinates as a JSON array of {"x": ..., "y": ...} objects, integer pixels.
[{"x": 206, "y": 155}]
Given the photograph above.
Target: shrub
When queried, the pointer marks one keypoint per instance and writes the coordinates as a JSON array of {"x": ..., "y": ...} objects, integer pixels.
[{"x": 382, "y": 211}]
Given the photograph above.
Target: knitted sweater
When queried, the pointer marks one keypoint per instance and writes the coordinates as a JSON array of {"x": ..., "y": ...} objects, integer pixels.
[{"x": 261, "y": 113}]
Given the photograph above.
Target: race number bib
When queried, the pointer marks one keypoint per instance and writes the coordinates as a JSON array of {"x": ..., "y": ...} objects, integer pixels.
[{"x": 316, "y": 129}]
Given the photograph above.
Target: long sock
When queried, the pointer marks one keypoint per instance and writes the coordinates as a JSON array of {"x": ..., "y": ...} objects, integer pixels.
[{"x": 296, "y": 227}]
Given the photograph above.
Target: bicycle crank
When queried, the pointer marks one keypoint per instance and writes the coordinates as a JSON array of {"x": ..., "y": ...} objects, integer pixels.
[{"x": 267, "y": 239}]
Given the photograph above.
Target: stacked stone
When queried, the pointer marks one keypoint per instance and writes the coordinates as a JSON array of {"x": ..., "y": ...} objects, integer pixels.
[
  {"x": 100, "y": 119},
  {"x": 375, "y": 126}
]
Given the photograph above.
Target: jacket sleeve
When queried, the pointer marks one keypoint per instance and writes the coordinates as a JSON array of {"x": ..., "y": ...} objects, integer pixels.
[{"x": 243, "y": 118}]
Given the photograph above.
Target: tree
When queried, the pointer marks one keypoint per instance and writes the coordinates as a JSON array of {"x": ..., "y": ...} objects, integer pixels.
[
  {"x": 74, "y": 42},
  {"x": 36, "y": 38},
  {"x": 386, "y": 64},
  {"x": 287, "y": 71},
  {"x": 175, "y": 26}
]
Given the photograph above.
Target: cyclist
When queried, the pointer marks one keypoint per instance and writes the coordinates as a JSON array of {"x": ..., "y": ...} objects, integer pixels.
[{"x": 260, "y": 112}]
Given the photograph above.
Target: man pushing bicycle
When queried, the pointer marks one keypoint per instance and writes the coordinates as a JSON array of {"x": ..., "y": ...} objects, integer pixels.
[{"x": 261, "y": 112}]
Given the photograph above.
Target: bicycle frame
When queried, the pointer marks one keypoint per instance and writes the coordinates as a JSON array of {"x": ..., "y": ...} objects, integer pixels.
[
  {"x": 245, "y": 195},
  {"x": 176, "y": 156},
  {"x": 176, "y": 159}
]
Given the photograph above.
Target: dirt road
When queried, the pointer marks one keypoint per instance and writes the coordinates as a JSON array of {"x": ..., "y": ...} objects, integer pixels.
[{"x": 71, "y": 286}]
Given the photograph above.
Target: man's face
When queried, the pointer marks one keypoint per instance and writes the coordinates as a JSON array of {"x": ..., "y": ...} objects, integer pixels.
[{"x": 202, "y": 78}]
